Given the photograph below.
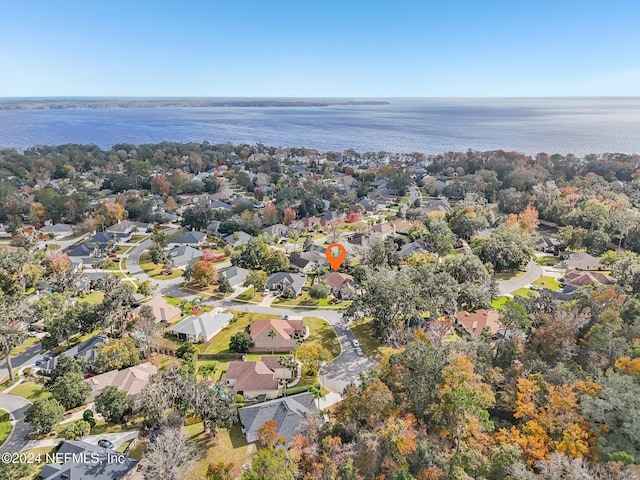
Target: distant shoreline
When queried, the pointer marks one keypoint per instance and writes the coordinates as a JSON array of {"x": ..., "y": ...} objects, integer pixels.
[{"x": 63, "y": 104}]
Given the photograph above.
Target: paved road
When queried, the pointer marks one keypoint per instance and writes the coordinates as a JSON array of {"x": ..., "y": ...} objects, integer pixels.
[
  {"x": 19, "y": 435},
  {"x": 508, "y": 286},
  {"x": 25, "y": 359}
]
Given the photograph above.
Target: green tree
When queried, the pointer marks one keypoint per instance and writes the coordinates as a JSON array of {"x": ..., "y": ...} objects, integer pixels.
[
  {"x": 76, "y": 430},
  {"x": 616, "y": 406},
  {"x": 241, "y": 342},
  {"x": 257, "y": 278},
  {"x": 117, "y": 354},
  {"x": 273, "y": 464},
  {"x": 156, "y": 252},
  {"x": 319, "y": 290},
  {"x": 113, "y": 403},
  {"x": 276, "y": 261},
  {"x": 44, "y": 414},
  {"x": 64, "y": 365},
  {"x": 507, "y": 248},
  {"x": 224, "y": 286},
  {"x": 70, "y": 390}
]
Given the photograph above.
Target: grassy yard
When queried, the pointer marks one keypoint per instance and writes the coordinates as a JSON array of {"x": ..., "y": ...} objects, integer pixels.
[
  {"x": 5, "y": 426},
  {"x": 31, "y": 391},
  {"x": 228, "y": 446},
  {"x": 37, "y": 466},
  {"x": 523, "y": 292},
  {"x": 138, "y": 238},
  {"x": 547, "y": 261},
  {"x": 121, "y": 250},
  {"x": 92, "y": 298},
  {"x": 321, "y": 332},
  {"x": 370, "y": 346},
  {"x": 28, "y": 343},
  {"x": 509, "y": 275},
  {"x": 547, "y": 282},
  {"x": 305, "y": 300},
  {"x": 220, "y": 343},
  {"x": 499, "y": 302},
  {"x": 250, "y": 296},
  {"x": 155, "y": 271}
]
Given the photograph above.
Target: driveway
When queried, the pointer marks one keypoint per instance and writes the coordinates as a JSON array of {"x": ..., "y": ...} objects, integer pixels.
[
  {"x": 116, "y": 438},
  {"x": 508, "y": 286},
  {"x": 19, "y": 436},
  {"x": 25, "y": 359}
]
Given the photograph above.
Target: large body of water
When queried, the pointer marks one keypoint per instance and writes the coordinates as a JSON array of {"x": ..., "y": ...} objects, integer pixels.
[{"x": 551, "y": 125}]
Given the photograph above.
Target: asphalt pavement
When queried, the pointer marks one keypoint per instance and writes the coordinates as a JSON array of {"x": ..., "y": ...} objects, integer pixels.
[{"x": 21, "y": 430}]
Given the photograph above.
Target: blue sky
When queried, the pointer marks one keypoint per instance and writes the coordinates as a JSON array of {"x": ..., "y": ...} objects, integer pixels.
[{"x": 320, "y": 49}]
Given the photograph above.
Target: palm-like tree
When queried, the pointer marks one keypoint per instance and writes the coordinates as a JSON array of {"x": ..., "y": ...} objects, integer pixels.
[{"x": 272, "y": 334}]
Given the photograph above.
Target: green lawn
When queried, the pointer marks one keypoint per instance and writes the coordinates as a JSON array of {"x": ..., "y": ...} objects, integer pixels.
[
  {"x": 321, "y": 332},
  {"x": 547, "y": 261},
  {"x": 499, "y": 302},
  {"x": 547, "y": 282},
  {"x": 31, "y": 391},
  {"x": 305, "y": 300},
  {"x": 138, "y": 238},
  {"x": 523, "y": 292},
  {"x": 370, "y": 346},
  {"x": 28, "y": 343},
  {"x": 228, "y": 446},
  {"x": 5, "y": 426},
  {"x": 250, "y": 296},
  {"x": 155, "y": 271},
  {"x": 509, "y": 275},
  {"x": 220, "y": 343},
  {"x": 53, "y": 246},
  {"x": 121, "y": 250},
  {"x": 92, "y": 298}
]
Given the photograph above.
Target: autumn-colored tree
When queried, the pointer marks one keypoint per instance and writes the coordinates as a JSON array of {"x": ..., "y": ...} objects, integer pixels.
[
  {"x": 312, "y": 356},
  {"x": 463, "y": 399},
  {"x": 160, "y": 185},
  {"x": 527, "y": 220},
  {"x": 170, "y": 204},
  {"x": 56, "y": 262},
  {"x": 268, "y": 434},
  {"x": 258, "y": 194},
  {"x": 37, "y": 213},
  {"x": 270, "y": 214},
  {"x": 205, "y": 274},
  {"x": 110, "y": 213},
  {"x": 353, "y": 218},
  {"x": 289, "y": 216}
]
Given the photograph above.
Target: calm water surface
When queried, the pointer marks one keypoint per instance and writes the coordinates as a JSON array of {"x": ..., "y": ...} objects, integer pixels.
[{"x": 559, "y": 125}]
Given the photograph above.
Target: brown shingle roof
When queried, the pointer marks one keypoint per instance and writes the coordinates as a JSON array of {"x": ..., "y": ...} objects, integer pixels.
[
  {"x": 131, "y": 380},
  {"x": 477, "y": 321},
  {"x": 581, "y": 278},
  {"x": 336, "y": 279},
  {"x": 285, "y": 330},
  {"x": 250, "y": 376}
]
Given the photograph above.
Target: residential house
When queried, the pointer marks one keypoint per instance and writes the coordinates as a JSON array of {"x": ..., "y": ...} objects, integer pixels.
[
  {"x": 330, "y": 216},
  {"x": 220, "y": 205},
  {"x": 383, "y": 230},
  {"x": 122, "y": 229},
  {"x": 341, "y": 284},
  {"x": 238, "y": 239},
  {"x": 252, "y": 380},
  {"x": 287, "y": 284},
  {"x": 276, "y": 335},
  {"x": 130, "y": 380},
  {"x": 369, "y": 205},
  {"x": 87, "y": 350},
  {"x": 277, "y": 230},
  {"x": 580, "y": 278},
  {"x": 162, "y": 310},
  {"x": 402, "y": 226},
  {"x": 439, "y": 205},
  {"x": 582, "y": 261},
  {"x": 202, "y": 328},
  {"x": 82, "y": 250},
  {"x": 213, "y": 227},
  {"x": 409, "y": 249},
  {"x": 288, "y": 413},
  {"x": 192, "y": 239},
  {"x": 180, "y": 257},
  {"x": 235, "y": 275},
  {"x": 59, "y": 230},
  {"x": 306, "y": 261},
  {"x": 100, "y": 464},
  {"x": 476, "y": 322},
  {"x": 548, "y": 244},
  {"x": 309, "y": 222}
]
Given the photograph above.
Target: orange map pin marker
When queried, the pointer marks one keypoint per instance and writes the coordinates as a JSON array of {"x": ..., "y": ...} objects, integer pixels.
[{"x": 335, "y": 262}]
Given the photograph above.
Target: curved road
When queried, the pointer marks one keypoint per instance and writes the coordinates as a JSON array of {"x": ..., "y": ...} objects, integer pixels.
[
  {"x": 21, "y": 430},
  {"x": 508, "y": 286}
]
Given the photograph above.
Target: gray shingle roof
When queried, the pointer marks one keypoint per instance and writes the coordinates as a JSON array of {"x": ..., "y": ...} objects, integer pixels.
[
  {"x": 205, "y": 325},
  {"x": 288, "y": 412},
  {"x": 189, "y": 237}
]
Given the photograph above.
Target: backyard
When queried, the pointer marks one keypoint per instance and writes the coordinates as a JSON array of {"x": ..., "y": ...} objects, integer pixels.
[{"x": 155, "y": 270}]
